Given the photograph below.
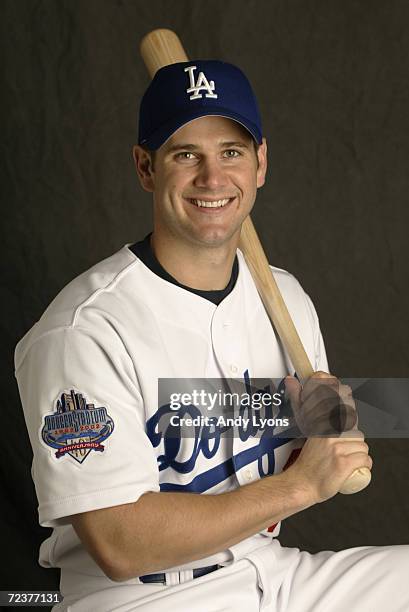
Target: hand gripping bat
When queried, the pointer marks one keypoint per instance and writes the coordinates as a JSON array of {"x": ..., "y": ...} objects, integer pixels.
[{"x": 160, "y": 48}]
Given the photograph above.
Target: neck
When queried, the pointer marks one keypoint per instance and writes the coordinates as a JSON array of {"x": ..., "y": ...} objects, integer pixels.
[{"x": 196, "y": 266}]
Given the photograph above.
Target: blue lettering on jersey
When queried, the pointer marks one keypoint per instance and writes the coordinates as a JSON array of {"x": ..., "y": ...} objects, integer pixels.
[{"x": 206, "y": 442}]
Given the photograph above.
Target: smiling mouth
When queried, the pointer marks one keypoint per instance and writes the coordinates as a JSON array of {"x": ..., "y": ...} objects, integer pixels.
[{"x": 210, "y": 203}]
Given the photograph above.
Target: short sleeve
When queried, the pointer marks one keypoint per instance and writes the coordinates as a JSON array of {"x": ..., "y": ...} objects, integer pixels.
[
  {"x": 85, "y": 417},
  {"x": 321, "y": 362}
]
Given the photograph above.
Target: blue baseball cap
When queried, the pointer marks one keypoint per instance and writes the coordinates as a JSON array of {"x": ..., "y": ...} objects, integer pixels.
[{"x": 184, "y": 91}]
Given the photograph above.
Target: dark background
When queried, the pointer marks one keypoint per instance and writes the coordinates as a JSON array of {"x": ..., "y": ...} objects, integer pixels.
[{"x": 332, "y": 82}]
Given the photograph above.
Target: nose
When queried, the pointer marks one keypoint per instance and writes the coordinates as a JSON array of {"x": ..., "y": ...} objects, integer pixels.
[{"x": 210, "y": 175}]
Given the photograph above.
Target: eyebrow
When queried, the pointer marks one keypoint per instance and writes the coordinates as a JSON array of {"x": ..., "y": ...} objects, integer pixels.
[{"x": 192, "y": 147}]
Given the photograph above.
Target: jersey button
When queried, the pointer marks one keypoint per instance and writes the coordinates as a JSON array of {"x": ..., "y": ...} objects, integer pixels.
[
  {"x": 248, "y": 475},
  {"x": 233, "y": 368}
]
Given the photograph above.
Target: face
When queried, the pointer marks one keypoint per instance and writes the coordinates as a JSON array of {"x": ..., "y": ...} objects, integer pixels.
[{"x": 204, "y": 181}]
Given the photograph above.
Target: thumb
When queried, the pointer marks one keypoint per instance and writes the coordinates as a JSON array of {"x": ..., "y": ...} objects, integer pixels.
[{"x": 293, "y": 392}]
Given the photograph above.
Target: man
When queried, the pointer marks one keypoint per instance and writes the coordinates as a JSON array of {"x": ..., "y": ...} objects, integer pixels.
[{"x": 144, "y": 519}]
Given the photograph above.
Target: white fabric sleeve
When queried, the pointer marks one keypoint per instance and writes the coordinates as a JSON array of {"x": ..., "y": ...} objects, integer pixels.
[
  {"x": 321, "y": 362},
  {"x": 77, "y": 390}
]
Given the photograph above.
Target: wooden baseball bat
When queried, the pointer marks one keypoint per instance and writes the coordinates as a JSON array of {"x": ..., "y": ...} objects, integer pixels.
[{"x": 160, "y": 48}]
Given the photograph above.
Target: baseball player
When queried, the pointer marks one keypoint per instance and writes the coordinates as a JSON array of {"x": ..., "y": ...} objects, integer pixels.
[{"x": 143, "y": 517}]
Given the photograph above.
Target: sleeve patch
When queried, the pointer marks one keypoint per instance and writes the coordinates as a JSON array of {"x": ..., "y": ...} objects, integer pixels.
[{"x": 75, "y": 428}]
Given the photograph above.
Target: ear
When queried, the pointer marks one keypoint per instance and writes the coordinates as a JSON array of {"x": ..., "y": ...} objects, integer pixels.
[
  {"x": 144, "y": 168},
  {"x": 262, "y": 163}
]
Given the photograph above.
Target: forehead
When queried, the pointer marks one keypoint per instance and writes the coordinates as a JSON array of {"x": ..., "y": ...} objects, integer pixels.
[{"x": 209, "y": 130}]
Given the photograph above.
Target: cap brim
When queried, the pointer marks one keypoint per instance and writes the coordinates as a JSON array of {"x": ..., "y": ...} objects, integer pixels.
[{"x": 160, "y": 136}]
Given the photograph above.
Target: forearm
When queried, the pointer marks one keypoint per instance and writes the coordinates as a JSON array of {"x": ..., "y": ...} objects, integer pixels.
[
  {"x": 162, "y": 530},
  {"x": 196, "y": 526}
]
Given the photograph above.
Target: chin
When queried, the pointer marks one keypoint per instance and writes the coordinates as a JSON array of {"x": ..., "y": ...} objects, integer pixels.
[{"x": 216, "y": 237}]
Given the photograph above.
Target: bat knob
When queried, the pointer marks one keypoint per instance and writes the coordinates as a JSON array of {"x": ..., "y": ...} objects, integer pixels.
[{"x": 358, "y": 480}]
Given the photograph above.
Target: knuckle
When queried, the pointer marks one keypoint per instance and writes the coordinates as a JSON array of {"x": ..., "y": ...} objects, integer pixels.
[
  {"x": 337, "y": 450},
  {"x": 341, "y": 461},
  {"x": 322, "y": 374}
]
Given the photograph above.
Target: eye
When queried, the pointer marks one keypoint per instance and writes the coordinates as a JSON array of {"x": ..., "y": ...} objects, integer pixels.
[
  {"x": 185, "y": 156},
  {"x": 231, "y": 153}
]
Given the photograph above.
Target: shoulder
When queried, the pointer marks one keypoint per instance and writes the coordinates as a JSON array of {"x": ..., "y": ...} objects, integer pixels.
[
  {"x": 88, "y": 290},
  {"x": 290, "y": 288},
  {"x": 297, "y": 300},
  {"x": 299, "y": 305},
  {"x": 287, "y": 282}
]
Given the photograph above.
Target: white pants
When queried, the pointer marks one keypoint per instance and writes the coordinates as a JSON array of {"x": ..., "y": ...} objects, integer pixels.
[{"x": 275, "y": 579}]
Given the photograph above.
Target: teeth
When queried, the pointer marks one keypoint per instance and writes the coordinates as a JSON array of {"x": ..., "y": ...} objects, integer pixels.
[{"x": 211, "y": 204}]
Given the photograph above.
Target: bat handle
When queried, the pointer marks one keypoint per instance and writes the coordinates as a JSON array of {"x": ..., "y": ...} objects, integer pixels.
[{"x": 361, "y": 477}]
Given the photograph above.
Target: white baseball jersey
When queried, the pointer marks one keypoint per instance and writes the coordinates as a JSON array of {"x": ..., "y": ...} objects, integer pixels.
[{"x": 88, "y": 375}]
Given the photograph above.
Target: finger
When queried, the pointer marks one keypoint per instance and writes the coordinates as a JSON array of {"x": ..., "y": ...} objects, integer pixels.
[
  {"x": 354, "y": 434},
  {"x": 320, "y": 385},
  {"x": 345, "y": 390},
  {"x": 349, "y": 447},
  {"x": 293, "y": 386},
  {"x": 320, "y": 374},
  {"x": 331, "y": 424},
  {"x": 329, "y": 416},
  {"x": 359, "y": 460},
  {"x": 293, "y": 392}
]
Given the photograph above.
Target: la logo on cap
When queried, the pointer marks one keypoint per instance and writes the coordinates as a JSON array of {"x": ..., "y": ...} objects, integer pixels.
[{"x": 202, "y": 84}]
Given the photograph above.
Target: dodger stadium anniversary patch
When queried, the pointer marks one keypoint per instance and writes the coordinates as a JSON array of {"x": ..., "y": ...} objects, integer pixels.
[{"x": 75, "y": 427}]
